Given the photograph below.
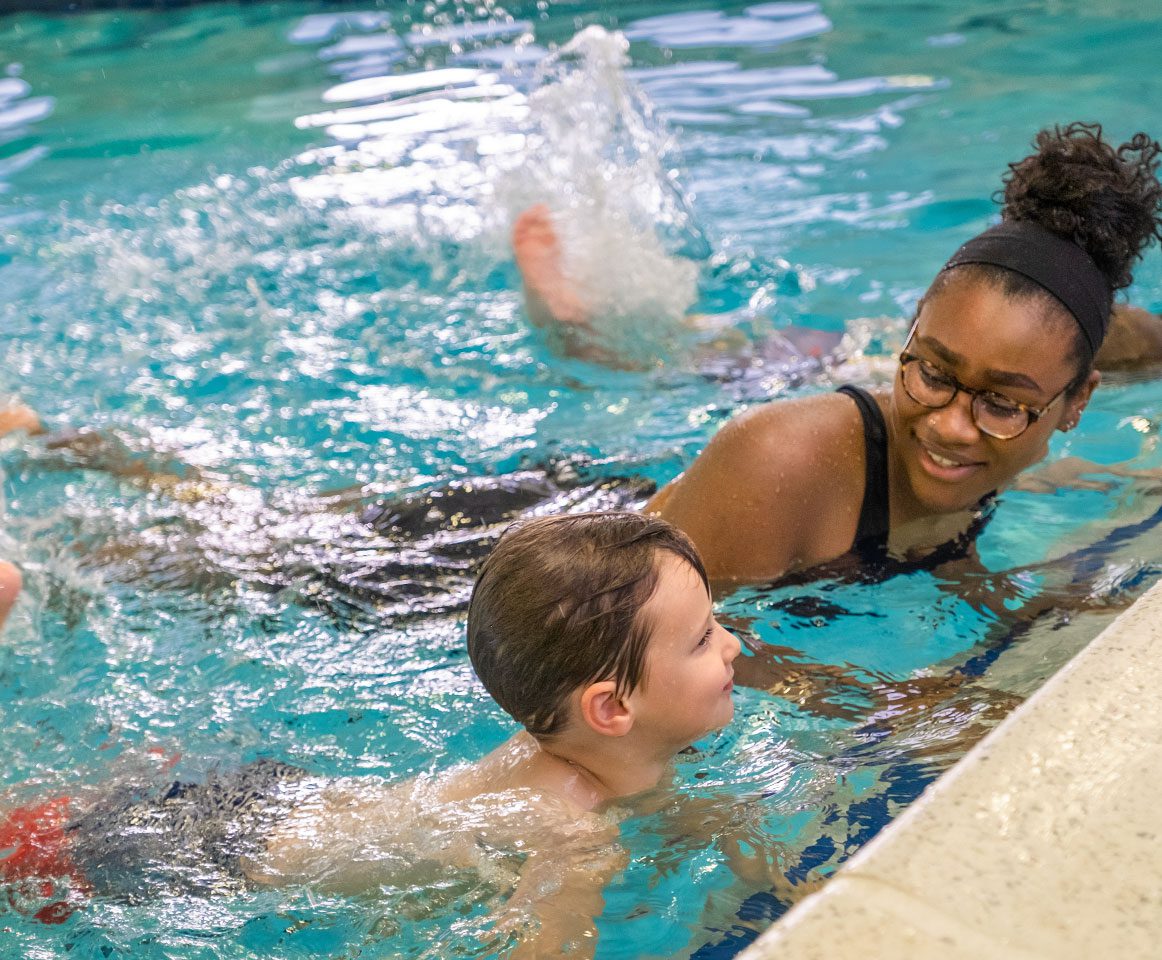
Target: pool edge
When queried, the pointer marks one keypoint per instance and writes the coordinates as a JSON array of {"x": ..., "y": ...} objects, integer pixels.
[{"x": 1041, "y": 842}]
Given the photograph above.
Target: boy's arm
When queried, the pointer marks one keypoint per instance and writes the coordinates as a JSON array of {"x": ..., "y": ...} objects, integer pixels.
[
  {"x": 340, "y": 842},
  {"x": 561, "y": 892},
  {"x": 325, "y": 843}
]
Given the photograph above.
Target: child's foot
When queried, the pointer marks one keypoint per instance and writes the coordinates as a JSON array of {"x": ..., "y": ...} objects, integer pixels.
[
  {"x": 17, "y": 416},
  {"x": 550, "y": 298}
]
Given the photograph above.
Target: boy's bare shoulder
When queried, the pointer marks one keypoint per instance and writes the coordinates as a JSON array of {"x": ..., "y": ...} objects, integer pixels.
[
  {"x": 522, "y": 768},
  {"x": 510, "y": 800}
]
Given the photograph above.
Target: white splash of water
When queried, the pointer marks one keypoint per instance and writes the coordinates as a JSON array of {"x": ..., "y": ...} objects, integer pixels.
[{"x": 596, "y": 156}]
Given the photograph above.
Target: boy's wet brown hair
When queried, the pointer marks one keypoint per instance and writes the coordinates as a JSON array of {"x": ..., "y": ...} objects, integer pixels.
[{"x": 557, "y": 606}]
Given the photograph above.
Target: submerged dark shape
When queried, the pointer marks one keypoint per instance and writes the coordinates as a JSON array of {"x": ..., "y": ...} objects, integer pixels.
[
  {"x": 419, "y": 554},
  {"x": 138, "y": 839},
  {"x": 356, "y": 554}
]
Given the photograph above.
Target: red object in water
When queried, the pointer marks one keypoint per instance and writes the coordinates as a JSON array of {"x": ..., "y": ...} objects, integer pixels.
[{"x": 34, "y": 854}]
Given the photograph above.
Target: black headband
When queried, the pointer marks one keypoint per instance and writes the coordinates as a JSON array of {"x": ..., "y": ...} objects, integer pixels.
[{"x": 1051, "y": 261}]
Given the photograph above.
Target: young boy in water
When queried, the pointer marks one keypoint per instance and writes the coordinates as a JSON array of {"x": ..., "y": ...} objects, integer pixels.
[{"x": 594, "y": 631}]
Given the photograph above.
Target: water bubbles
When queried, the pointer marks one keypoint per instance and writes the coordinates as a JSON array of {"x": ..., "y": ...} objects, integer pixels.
[
  {"x": 595, "y": 155},
  {"x": 316, "y": 28}
]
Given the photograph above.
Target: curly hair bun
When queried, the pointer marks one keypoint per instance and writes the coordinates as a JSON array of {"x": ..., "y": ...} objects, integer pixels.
[{"x": 1106, "y": 200}]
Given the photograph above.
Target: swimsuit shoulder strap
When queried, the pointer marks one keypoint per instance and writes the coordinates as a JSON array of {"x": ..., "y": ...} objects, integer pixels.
[{"x": 873, "y": 526}]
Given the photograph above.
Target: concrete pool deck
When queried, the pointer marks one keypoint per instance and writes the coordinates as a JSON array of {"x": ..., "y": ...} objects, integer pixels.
[{"x": 1042, "y": 842}]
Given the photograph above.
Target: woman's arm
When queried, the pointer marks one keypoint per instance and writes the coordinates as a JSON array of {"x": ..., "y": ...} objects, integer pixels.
[
  {"x": 776, "y": 489},
  {"x": 1133, "y": 340}
]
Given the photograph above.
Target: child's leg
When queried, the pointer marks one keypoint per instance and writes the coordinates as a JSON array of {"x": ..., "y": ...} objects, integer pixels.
[
  {"x": 554, "y": 302},
  {"x": 550, "y": 298}
]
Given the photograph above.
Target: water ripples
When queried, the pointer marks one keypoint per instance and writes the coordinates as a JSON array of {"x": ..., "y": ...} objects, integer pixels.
[
  {"x": 19, "y": 112},
  {"x": 314, "y": 344}
]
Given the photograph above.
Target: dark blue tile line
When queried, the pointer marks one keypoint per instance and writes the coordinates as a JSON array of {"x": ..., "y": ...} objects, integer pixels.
[
  {"x": 906, "y": 781},
  {"x": 1086, "y": 562}
]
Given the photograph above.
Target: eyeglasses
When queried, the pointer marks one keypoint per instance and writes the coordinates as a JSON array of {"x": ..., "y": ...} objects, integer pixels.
[{"x": 993, "y": 414}]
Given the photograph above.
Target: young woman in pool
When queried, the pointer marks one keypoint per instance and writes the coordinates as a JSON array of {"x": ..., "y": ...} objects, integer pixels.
[
  {"x": 995, "y": 364},
  {"x": 1004, "y": 350}
]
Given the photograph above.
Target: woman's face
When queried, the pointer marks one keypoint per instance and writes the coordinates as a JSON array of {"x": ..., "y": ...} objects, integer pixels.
[{"x": 1019, "y": 348}]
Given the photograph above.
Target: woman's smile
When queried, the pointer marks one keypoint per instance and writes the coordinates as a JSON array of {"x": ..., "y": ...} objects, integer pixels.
[{"x": 943, "y": 464}]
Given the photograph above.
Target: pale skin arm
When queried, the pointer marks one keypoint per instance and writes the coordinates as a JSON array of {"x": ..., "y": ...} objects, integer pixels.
[
  {"x": 317, "y": 842},
  {"x": 330, "y": 844},
  {"x": 562, "y": 894},
  {"x": 1080, "y": 474},
  {"x": 10, "y": 582}
]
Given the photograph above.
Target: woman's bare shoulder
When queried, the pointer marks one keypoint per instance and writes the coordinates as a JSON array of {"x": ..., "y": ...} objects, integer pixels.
[
  {"x": 755, "y": 498},
  {"x": 803, "y": 421},
  {"x": 787, "y": 443}
]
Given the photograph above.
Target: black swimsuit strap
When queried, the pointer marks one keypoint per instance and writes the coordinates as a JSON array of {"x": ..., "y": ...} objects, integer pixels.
[{"x": 871, "y": 534}]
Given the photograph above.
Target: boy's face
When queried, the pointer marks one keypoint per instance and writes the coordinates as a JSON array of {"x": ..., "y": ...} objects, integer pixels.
[{"x": 689, "y": 674}]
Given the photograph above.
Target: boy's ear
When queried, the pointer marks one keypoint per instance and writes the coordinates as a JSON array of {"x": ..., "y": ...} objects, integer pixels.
[{"x": 604, "y": 711}]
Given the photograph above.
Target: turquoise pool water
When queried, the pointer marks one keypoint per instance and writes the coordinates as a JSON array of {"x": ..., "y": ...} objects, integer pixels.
[{"x": 229, "y": 241}]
